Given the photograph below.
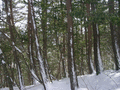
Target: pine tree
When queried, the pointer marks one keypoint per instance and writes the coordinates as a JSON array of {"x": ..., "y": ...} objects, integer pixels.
[
  {"x": 71, "y": 62},
  {"x": 97, "y": 56},
  {"x": 113, "y": 36},
  {"x": 90, "y": 64}
]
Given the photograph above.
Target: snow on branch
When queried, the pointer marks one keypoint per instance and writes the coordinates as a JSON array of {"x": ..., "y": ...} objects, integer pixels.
[
  {"x": 18, "y": 49},
  {"x": 13, "y": 44},
  {"x": 3, "y": 62},
  {"x": 7, "y": 36}
]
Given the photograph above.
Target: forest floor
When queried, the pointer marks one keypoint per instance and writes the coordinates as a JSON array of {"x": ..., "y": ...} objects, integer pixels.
[{"x": 108, "y": 80}]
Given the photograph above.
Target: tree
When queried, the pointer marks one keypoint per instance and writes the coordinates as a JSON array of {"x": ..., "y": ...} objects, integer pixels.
[
  {"x": 6, "y": 72},
  {"x": 71, "y": 62},
  {"x": 12, "y": 30},
  {"x": 114, "y": 36},
  {"x": 57, "y": 39},
  {"x": 31, "y": 44},
  {"x": 119, "y": 28},
  {"x": 97, "y": 56},
  {"x": 39, "y": 57},
  {"x": 90, "y": 65},
  {"x": 44, "y": 29}
]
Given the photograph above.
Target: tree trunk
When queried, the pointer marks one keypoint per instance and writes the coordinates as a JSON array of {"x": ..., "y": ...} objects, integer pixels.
[
  {"x": 82, "y": 54},
  {"x": 63, "y": 57},
  {"x": 39, "y": 57},
  {"x": 71, "y": 62},
  {"x": 44, "y": 29},
  {"x": 12, "y": 34},
  {"x": 90, "y": 64},
  {"x": 97, "y": 56},
  {"x": 30, "y": 45},
  {"x": 63, "y": 50},
  {"x": 113, "y": 36},
  {"x": 119, "y": 32},
  {"x": 6, "y": 73},
  {"x": 21, "y": 85}
]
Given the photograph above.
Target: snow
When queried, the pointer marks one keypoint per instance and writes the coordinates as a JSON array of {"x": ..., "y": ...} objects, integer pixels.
[
  {"x": 70, "y": 29},
  {"x": 74, "y": 76},
  {"x": 35, "y": 78},
  {"x": 18, "y": 49},
  {"x": 118, "y": 54},
  {"x": 99, "y": 59},
  {"x": 3, "y": 62},
  {"x": 0, "y": 51},
  {"x": 13, "y": 43},
  {"x": 107, "y": 80},
  {"x": 98, "y": 51},
  {"x": 20, "y": 80},
  {"x": 73, "y": 68},
  {"x": 39, "y": 57},
  {"x": 91, "y": 63},
  {"x": 7, "y": 35},
  {"x": 44, "y": 77}
]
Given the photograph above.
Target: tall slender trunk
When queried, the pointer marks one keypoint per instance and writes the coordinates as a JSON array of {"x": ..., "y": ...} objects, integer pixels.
[
  {"x": 90, "y": 64},
  {"x": 30, "y": 44},
  {"x": 86, "y": 42},
  {"x": 39, "y": 57},
  {"x": 82, "y": 63},
  {"x": 6, "y": 73},
  {"x": 71, "y": 62},
  {"x": 63, "y": 57},
  {"x": 118, "y": 36},
  {"x": 97, "y": 56},
  {"x": 63, "y": 51},
  {"x": 44, "y": 29},
  {"x": 12, "y": 34},
  {"x": 21, "y": 85},
  {"x": 119, "y": 30},
  {"x": 1, "y": 76},
  {"x": 113, "y": 37}
]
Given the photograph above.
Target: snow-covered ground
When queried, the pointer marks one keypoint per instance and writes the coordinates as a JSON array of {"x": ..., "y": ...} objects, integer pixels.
[{"x": 108, "y": 80}]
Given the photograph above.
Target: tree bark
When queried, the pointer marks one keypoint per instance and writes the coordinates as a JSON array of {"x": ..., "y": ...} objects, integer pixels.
[
  {"x": 6, "y": 73},
  {"x": 90, "y": 65},
  {"x": 97, "y": 56},
  {"x": 71, "y": 62},
  {"x": 30, "y": 44},
  {"x": 119, "y": 30},
  {"x": 82, "y": 54},
  {"x": 63, "y": 50},
  {"x": 38, "y": 52},
  {"x": 113, "y": 36},
  {"x": 12, "y": 34},
  {"x": 63, "y": 57}
]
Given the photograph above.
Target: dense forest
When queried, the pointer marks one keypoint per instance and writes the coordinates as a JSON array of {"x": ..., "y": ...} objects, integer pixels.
[{"x": 46, "y": 40}]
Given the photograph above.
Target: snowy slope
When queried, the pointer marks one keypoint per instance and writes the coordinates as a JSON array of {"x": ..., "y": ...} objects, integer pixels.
[{"x": 108, "y": 80}]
